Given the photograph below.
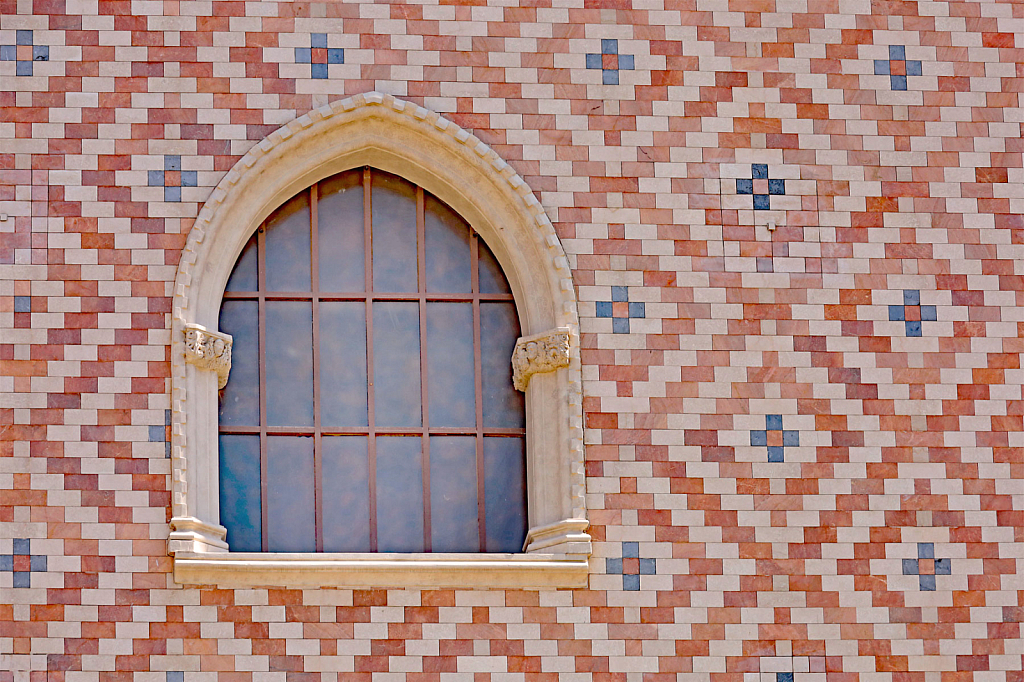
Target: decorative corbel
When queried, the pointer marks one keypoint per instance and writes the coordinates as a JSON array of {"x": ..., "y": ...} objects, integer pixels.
[
  {"x": 543, "y": 352},
  {"x": 208, "y": 350}
]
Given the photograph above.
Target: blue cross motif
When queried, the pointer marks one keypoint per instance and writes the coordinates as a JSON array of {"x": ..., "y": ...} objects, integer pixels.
[
  {"x": 631, "y": 566},
  {"x": 775, "y": 438},
  {"x": 912, "y": 313},
  {"x": 783, "y": 677},
  {"x": 172, "y": 178},
  {"x": 318, "y": 55},
  {"x": 610, "y": 61},
  {"x": 22, "y": 563},
  {"x": 897, "y": 67},
  {"x": 926, "y": 566},
  {"x": 621, "y": 310},
  {"x": 761, "y": 186},
  {"x": 24, "y": 52}
]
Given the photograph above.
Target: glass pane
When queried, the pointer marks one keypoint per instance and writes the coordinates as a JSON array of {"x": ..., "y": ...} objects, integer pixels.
[
  {"x": 499, "y": 330},
  {"x": 340, "y": 233},
  {"x": 396, "y": 364},
  {"x": 393, "y": 201},
  {"x": 346, "y": 494},
  {"x": 492, "y": 279},
  {"x": 289, "y": 360},
  {"x": 505, "y": 493},
  {"x": 447, "y": 249},
  {"x": 342, "y": 363},
  {"x": 450, "y": 372},
  {"x": 240, "y": 510},
  {"x": 454, "y": 521},
  {"x": 287, "y": 242},
  {"x": 399, "y": 494},
  {"x": 240, "y": 399},
  {"x": 243, "y": 277},
  {"x": 291, "y": 524}
]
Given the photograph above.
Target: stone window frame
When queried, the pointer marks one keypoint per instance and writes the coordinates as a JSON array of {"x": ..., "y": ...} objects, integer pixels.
[{"x": 384, "y": 132}]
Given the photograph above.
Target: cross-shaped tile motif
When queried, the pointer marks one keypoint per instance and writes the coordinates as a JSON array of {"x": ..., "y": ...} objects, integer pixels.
[
  {"x": 760, "y": 186},
  {"x": 620, "y": 309},
  {"x": 172, "y": 178},
  {"x": 24, "y": 52},
  {"x": 631, "y": 566},
  {"x": 22, "y": 563},
  {"x": 610, "y": 61},
  {"x": 926, "y": 566},
  {"x": 911, "y": 313},
  {"x": 775, "y": 438},
  {"x": 318, "y": 55},
  {"x": 897, "y": 67}
]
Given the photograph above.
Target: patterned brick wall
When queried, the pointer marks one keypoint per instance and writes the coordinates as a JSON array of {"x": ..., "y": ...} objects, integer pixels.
[{"x": 796, "y": 230}]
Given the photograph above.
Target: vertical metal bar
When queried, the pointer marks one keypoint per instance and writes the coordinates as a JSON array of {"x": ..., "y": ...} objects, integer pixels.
[
  {"x": 371, "y": 438},
  {"x": 478, "y": 383},
  {"x": 421, "y": 277},
  {"x": 261, "y": 290},
  {"x": 314, "y": 257}
]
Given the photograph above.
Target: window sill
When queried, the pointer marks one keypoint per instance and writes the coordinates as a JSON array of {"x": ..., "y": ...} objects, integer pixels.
[{"x": 244, "y": 569}]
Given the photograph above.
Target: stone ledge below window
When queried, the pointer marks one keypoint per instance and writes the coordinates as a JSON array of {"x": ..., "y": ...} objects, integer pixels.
[{"x": 245, "y": 569}]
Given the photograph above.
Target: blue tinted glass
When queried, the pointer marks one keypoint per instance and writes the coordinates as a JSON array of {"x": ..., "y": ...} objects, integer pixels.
[
  {"x": 239, "y": 401},
  {"x": 346, "y": 494},
  {"x": 499, "y": 330},
  {"x": 450, "y": 370},
  {"x": 399, "y": 494},
  {"x": 340, "y": 233},
  {"x": 343, "y": 387},
  {"x": 243, "y": 277},
  {"x": 396, "y": 364},
  {"x": 505, "y": 493},
  {"x": 492, "y": 279},
  {"x": 288, "y": 247},
  {"x": 393, "y": 203},
  {"x": 454, "y": 523},
  {"x": 289, "y": 363},
  {"x": 290, "y": 498},
  {"x": 447, "y": 249},
  {"x": 240, "y": 510}
]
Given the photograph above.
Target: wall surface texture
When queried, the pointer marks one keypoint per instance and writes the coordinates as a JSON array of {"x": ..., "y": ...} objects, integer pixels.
[{"x": 795, "y": 231}]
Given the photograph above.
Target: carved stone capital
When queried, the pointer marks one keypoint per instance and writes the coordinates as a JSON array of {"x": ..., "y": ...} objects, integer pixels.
[
  {"x": 543, "y": 352},
  {"x": 208, "y": 350}
]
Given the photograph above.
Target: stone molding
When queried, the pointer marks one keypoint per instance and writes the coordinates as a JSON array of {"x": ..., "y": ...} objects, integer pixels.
[
  {"x": 379, "y": 130},
  {"x": 544, "y": 352},
  {"x": 208, "y": 350}
]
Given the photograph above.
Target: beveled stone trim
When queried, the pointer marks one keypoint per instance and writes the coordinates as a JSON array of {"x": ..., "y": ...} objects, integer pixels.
[
  {"x": 244, "y": 569},
  {"x": 568, "y": 536},
  {"x": 210, "y": 350},
  {"x": 544, "y": 352},
  {"x": 192, "y": 535}
]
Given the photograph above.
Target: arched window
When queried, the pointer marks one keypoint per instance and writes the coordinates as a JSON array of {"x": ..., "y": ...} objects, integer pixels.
[{"x": 370, "y": 405}]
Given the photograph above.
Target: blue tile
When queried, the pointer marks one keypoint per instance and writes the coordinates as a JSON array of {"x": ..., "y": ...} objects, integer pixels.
[
  {"x": 37, "y": 563},
  {"x": 22, "y": 579},
  {"x": 620, "y": 293},
  {"x": 783, "y": 677},
  {"x": 765, "y": 264},
  {"x": 303, "y": 55},
  {"x": 943, "y": 567},
  {"x": 609, "y": 77},
  {"x": 759, "y": 171},
  {"x": 594, "y": 61},
  {"x": 631, "y": 550},
  {"x": 157, "y": 434},
  {"x": 881, "y": 67},
  {"x": 620, "y": 325},
  {"x": 613, "y": 565},
  {"x": 24, "y": 37},
  {"x": 172, "y": 162},
  {"x": 791, "y": 438},
  {"x": 648, "y": 567},
  {"x": 609, "y": 46},
  {"x": 6, "y": 562},
  {"x": 23, "y": 68},
  {"x": 336, "y": 55},
  {"x": 761, "y": 202},
  {"x": 744, "y": 186},
  {"x": 928, "y": 313},
  {"x": 911, "y": 297},
  {"x": 898, "y": 82},
  {"x": 40, "y": 53},
  {"x": 167, "y": 417},
  {"x": 759, "y": 438},
  {"x": 913, "y": 327},
  {"x": 8, "y": 53},
  {"x": 896, "y": 313},
  {"x": 22, "y": 304},
  {"x": 175, "y": 676},
  {"x": 910, "y": 567},
  {"x": 318, "y": 40},
  {"x": 897, "y": 52},
  {"x": 22, "y": 546},
  {"x": 925, "y": 550},
  {"x": 631, "y": 583},
  {"x": 638, "y": 309},
  {"x": 172, "y": 193},
  {"x": 776, "y": 454},
  {"x": 188, "y": 178},
  {"x": 626, "y": 62},
  {"x": 318, "y": 71},
  {"x": 773, "y": 422},
  {"x": 603, "y": 308},
  {"x": 927, "y": 583},
  {"x": 914, "y": 67},
  {"x": 776, "y": 187},
  {"x": 156, "y": 178}
]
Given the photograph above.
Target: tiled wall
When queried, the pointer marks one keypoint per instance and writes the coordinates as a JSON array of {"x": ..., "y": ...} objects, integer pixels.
[{"x": 796, "y": 231}]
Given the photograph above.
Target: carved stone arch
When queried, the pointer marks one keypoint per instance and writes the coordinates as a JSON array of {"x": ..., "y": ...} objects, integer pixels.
[{"x": 395, "y": 136}]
